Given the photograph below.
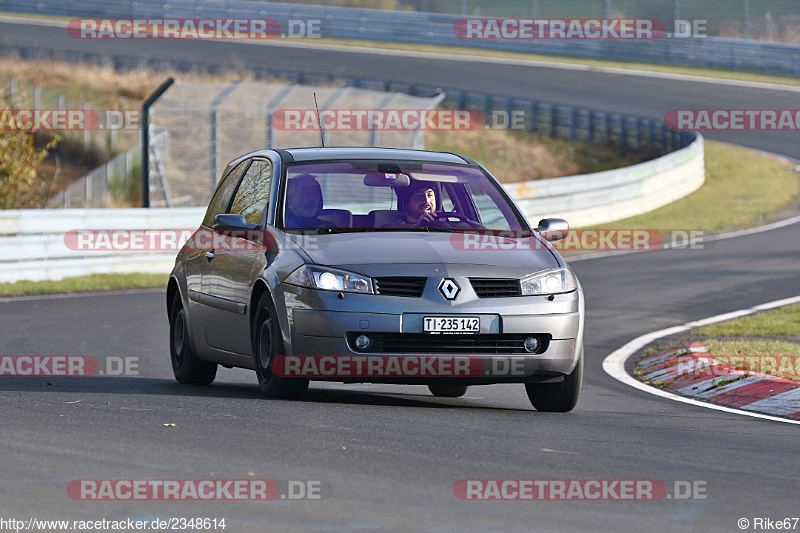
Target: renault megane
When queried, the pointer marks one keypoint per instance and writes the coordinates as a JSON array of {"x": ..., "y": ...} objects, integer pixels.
[{"x": 375, "y": 265}]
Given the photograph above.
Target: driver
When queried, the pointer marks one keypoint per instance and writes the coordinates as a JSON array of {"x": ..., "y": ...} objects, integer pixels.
[{"x": 416, "y": 206}]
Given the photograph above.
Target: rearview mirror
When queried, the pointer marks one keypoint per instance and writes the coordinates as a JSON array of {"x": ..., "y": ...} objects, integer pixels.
[
  {"x": 229, "y": 222},
  {"x": 377, "y": 179},
  {"x": 553, "y": 229}
]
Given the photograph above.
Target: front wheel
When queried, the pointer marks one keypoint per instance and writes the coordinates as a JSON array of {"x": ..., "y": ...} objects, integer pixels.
[
  {"x": 268, "y": 343},
  {"x": 188, "y": 369},
  {"x": 557, "y": 397},
  {"x": 448, "y": 391}
]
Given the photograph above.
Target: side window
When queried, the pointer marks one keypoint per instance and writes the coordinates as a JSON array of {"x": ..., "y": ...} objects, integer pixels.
[
  {"x": 219, "y": 203},
  {"x": 253, "y": 193}
]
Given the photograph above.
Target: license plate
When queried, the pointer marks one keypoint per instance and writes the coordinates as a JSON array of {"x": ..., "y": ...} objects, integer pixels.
[{"x": 451, "y": 324}]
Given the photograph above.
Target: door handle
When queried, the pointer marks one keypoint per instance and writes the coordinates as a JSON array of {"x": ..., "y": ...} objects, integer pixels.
[{"x": 210, "y": 255}]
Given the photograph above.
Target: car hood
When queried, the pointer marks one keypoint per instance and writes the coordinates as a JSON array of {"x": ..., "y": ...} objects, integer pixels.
[{"x": 408, "y": 248}]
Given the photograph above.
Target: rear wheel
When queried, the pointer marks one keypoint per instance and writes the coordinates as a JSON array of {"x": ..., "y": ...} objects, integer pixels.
[
  {"x": 557, "y": 397},
  {"x": 268, "y": 343},
  {"x": 186, "y": 366},
  {"x": 448, "y": 391}
]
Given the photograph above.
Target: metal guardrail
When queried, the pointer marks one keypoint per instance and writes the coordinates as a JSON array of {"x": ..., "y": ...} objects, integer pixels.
[
  {"x": 436, "y": 28},
  {"x": 33, "y": 244},
  {"x": 612, "y": 195}
]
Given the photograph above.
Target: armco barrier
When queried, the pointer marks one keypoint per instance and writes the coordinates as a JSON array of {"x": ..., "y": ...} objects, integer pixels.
[
  {"x": 614, "y": 194},
  {"x": 32, "y": 245},
  {"x": 435, "y": 28}
]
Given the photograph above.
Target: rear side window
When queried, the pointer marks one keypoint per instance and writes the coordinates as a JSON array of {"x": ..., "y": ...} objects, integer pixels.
[
  {"x": 252, "y": 195},
  {"x": 219, "y": 203}
]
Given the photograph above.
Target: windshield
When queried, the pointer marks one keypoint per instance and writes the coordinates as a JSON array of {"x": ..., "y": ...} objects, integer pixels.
[{"x": 393, "y": 196}]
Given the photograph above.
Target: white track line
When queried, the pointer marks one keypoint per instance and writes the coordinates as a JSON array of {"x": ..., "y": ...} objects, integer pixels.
[
  {"x": 476, "y": 58},
  {"x": 614, "y": 364},
  {"x": 87, "y": 294},
  {"x": 722, "y": 236}
]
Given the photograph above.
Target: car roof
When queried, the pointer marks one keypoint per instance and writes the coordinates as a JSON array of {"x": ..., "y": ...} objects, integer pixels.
[{"x": 329, "y": 153}]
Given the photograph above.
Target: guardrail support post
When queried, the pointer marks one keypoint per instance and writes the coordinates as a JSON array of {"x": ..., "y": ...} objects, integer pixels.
[
  {"x": 573, "y": 124},
  {"x": 534, "y": 117},
  {"x": 623, "y": 137}
]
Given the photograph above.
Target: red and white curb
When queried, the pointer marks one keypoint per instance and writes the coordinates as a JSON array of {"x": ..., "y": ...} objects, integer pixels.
[
  {"x": 693, "y": 372},
  {"x": 614, "y": 366}
]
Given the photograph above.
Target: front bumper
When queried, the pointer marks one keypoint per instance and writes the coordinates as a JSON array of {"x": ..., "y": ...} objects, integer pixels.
[{"x": 318, "y": 323}]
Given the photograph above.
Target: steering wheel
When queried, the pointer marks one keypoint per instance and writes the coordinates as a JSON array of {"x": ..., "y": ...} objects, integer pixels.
[{"x": 443, "y": 216}]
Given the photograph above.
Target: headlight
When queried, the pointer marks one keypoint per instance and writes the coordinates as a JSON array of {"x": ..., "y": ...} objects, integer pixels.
[
  {"x": 329, "y": 279},
  {"x": 548, "y": 282}
]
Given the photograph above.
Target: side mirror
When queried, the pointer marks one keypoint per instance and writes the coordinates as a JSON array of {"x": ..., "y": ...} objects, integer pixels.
[
  {"x": 553, "y": 229},
  {"x": 228, "y": 222}
]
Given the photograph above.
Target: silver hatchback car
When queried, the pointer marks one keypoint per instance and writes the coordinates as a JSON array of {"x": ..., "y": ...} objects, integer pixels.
[{"x": 375, "y": 265}]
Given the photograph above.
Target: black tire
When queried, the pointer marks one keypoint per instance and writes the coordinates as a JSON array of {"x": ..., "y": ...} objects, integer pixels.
[
  {"x": 188, "y": 369},
  {"x": 557, "y": 397},
  {"x": 448, "y": 391},
  {"x": 267, "y": 343}
]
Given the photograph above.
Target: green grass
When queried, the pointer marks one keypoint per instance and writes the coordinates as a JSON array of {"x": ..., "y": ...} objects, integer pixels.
[
  {"x": 94, "y": 282},
  {"x": 742, "y": 187},
  {"x": 725, "y": 348},
  {"x": 776, "y": 358},
  {"x": 757, "y": 354},
  {"x": 782, "y": 321}
]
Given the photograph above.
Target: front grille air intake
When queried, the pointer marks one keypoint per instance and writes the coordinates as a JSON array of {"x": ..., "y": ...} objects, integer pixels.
[
  {"x": 400, "y": 286},
  {"x": 495, "y": 287}
]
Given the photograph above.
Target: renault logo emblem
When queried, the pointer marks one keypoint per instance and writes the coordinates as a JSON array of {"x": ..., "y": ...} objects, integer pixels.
[{"x": 449, "y": 288}]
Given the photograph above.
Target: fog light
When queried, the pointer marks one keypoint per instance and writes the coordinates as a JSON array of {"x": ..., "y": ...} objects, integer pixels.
[
  {"x": 363, "y": 342},
  {"x": 531, "y": 344}
]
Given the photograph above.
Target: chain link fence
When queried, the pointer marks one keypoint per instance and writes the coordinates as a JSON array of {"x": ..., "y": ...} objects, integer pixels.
[
  {"x": 30, "y": 96},
  {"x": 201, "y": 127}
]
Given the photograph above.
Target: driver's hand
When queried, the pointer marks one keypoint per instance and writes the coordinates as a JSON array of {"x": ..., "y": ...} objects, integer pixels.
[{"x": 426, "y": 218}]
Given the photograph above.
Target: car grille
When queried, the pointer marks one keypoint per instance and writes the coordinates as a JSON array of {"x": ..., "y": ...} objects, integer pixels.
[
  {"x": 400, "y": 286},
  {"x": 507, "y": 344},
  {"x": 495, "y": 287}
]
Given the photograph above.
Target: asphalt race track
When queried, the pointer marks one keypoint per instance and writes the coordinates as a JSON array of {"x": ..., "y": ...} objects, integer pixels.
[
  {"x": 392, "y": 454},
  {"x": 616, "y": 93}
]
